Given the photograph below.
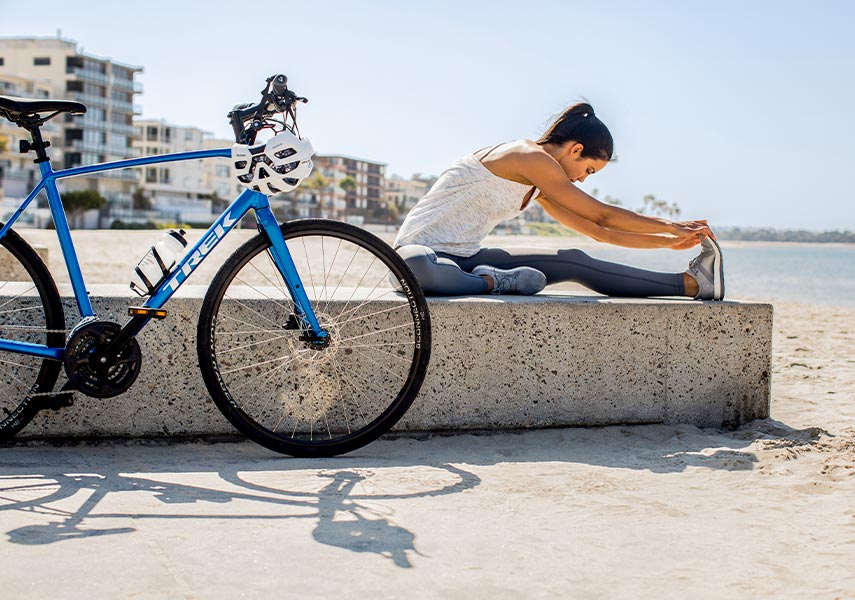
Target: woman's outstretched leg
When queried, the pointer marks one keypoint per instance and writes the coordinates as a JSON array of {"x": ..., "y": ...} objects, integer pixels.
[
  {"x": 440, "y": 276},
  {"x": 573, "y": 265}
]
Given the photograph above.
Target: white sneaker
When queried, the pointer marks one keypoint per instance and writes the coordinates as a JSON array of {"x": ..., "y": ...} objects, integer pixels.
[
  {"x": 707, "y": 269},
  {"x": 522, "y": 280}
]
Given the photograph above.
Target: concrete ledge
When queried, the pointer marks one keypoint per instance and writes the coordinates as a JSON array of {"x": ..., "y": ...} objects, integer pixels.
[{"x": 497, "y": 362}]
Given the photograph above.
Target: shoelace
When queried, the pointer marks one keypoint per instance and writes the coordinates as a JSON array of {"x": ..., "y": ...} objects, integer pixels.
[
  {"x": 500, "y": 283},
  {"x": 697, "y": 260}
]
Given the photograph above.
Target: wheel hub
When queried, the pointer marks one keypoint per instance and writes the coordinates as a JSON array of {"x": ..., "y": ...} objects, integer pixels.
[
  {"x": 94, "y": 373},
  {"x": 306, "y": 351}
]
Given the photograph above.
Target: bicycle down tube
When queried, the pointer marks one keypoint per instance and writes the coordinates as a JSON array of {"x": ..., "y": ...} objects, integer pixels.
[{"x": 228, "y": 219}]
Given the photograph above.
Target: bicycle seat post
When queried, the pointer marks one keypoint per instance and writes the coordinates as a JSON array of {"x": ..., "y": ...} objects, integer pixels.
[{"x": 38, "y": 145}]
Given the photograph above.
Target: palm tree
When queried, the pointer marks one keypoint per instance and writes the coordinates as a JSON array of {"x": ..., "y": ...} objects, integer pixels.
[
  {"x": 317, "y": 183},
  {"x": 348, "y": 184}
]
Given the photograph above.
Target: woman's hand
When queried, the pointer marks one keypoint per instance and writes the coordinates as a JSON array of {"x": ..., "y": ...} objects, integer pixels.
[
  {"x": 690, "y": 228},
  {"x": 684, "y": 243}
]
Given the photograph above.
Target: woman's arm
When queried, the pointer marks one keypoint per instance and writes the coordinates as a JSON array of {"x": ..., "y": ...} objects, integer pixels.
[
  {"x": 542, "y": 171},
  {"x": 611, "y": 236}
]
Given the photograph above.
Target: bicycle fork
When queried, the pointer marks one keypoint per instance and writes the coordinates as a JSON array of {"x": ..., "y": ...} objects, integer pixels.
[{"x": 304, "y": 317}]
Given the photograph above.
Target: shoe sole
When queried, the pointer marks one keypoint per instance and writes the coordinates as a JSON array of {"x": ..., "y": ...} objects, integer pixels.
[{"x": 718, "y": 272}]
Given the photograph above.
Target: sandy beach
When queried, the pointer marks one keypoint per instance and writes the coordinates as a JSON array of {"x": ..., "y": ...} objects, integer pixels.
[{"x": 646, "y": 511}]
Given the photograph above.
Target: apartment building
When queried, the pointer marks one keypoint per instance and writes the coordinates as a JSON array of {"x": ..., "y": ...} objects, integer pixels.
[
  {"x": 363, "y": 203},
  {"x": 107, "y": 88},
  {"x": 18, "y": 172},
  {"x": 404, "y": 193},
  {"x": 220, "y": 176},
  {"x": 183, "y": 191}
]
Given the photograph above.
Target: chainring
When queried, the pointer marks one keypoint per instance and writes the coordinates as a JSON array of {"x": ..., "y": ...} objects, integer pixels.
[{"x": 100, "y": 377}]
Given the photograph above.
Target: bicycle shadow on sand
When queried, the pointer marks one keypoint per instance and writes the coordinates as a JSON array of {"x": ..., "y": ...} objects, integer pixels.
[
  {"x": 348, "y": 497},
  {"x": 347, "y": 503}
]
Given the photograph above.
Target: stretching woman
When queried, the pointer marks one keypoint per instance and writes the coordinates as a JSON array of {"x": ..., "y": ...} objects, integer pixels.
[{"x": 441, "y": 236}]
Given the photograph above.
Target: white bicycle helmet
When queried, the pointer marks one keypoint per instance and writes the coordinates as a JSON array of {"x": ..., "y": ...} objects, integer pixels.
[{"x": 278, "y": 165}]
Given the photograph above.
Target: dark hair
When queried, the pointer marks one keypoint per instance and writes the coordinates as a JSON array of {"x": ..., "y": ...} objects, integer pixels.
[{"x": 579, "y": 124}]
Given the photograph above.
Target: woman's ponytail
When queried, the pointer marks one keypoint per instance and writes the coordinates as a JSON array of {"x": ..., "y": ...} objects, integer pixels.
[{"x": 579, "y": 124}]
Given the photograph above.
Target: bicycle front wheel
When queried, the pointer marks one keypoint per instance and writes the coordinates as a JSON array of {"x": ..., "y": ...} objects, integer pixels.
[
  {"x": 30, "y": 311},
  {"x": 288, "y": 395}
]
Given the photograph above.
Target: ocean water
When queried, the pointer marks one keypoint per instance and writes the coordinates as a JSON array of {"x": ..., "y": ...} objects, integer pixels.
[{"x": 806, "y": 273}]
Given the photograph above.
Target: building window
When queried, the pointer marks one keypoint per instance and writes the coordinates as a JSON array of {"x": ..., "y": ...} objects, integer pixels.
[
  {"x": 151, "y": 175},
  {"x": 151, "y": 134},
  {"x": 1, "y": 61},
  {"x": 71, "y": 159},
  {"x": 41, "y": 61}
]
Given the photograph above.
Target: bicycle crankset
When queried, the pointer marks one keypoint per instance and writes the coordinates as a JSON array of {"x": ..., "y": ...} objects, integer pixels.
[{"x": 92, "y": 372}]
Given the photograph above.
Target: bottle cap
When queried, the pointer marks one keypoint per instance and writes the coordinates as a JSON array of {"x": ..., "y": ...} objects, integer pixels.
[{"x": 178, "y": 235}]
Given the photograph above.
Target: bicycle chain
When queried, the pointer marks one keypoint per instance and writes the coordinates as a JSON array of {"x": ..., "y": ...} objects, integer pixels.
[
  {"x": 41, "y": 330},
  {"x": 27, "y": 328}
]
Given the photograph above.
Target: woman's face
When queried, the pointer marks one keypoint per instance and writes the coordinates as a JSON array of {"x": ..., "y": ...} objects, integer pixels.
[{"x": 575, "y": 166}]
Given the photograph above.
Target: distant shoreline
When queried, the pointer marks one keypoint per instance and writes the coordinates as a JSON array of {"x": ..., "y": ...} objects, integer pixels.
[{"x": 735, "y": 234}]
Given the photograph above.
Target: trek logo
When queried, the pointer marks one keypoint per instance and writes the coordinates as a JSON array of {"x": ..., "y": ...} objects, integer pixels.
[{"x": 205, "y": 246}]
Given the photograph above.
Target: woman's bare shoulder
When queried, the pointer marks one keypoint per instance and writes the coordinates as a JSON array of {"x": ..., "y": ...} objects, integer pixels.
[
  {"x": 513, "y": 160},
  {"x": 513, "y": 147}
]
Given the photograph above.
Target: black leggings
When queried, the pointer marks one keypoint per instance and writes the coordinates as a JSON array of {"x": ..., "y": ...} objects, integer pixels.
[{"x": 443, "y": 274}]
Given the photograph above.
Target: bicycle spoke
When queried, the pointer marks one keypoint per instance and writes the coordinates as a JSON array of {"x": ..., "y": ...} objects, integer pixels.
[
  {"x": 298, "y": 395},
  {"x": 30, "y": 311},
  {"x": 251, "y": 344},
  {"x": 344, "y": 273}
]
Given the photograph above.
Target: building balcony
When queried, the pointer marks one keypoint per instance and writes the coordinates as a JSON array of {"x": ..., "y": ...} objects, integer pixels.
[
  {"x": 85, "y": 146},
  {"x": 129, "y": 130},
  {"x": 128, "y": 85},
  {"x": 123, "y": 174},
  {"x": 121, "y": 105},
  {"x": 83, "y": 74},
  {"x": 89, "y": 100}
]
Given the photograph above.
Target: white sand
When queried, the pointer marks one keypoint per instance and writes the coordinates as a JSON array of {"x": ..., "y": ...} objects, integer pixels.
[{"x": 651, "y": 511}]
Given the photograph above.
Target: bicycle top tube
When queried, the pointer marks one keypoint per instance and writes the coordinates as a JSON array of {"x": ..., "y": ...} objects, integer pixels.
[{"x": 228, "y": 219}]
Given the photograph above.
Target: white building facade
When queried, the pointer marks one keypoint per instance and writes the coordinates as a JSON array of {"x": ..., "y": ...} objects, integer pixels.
[
  {"x": 183, "y": 191},
  {"x": 107, "y": 88},
  {"x": 404, "y": 193}
]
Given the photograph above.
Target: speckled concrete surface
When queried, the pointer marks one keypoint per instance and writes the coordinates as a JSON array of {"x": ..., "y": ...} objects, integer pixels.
[
  {"x": 564, "y": 359},
  {"x": 497, "y": 362}
]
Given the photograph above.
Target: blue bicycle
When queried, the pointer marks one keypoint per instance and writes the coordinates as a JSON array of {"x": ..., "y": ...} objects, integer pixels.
[{"x": 313, "y": 338}]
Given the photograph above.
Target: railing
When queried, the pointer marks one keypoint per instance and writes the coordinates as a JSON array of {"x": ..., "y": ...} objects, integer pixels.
[
  {"x": 85, "y": 146},
  {"x": 87, "y": 74},
  {"x": 125, "y": 84},
  {"x": 90, "y": 99}
]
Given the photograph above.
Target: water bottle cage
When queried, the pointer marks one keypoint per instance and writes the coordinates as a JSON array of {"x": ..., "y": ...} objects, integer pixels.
[{"x": 149, "y": 285}]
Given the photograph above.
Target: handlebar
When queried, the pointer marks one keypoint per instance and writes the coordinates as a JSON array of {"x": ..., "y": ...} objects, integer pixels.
[{"x": 275, "y": 98}]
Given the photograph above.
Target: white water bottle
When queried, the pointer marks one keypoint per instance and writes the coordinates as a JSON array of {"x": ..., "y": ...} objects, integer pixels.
[{"x": 157, "y": 262}]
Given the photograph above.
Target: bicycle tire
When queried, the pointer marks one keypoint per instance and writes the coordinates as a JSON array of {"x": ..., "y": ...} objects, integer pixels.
[
  {"x": 30, "y": 311},
  {"x": 301, "y": 401}
]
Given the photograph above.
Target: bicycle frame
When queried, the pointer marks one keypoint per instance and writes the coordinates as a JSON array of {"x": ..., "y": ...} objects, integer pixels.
[{"x": 193, "y": 258}]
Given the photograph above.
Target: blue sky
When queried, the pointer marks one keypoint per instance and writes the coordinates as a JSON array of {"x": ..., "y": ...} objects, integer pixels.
[{"x": 741, "y": 112}]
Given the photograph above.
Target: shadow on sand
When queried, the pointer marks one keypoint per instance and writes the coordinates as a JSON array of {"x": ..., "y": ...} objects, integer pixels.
[{"x": 342, "y": 494}]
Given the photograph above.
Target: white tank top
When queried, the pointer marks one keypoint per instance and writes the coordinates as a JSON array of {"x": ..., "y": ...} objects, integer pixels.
[{"x": 461, "y": 208}]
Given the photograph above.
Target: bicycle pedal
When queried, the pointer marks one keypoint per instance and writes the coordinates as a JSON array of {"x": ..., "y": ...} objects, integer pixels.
[
  {"x": 151, "y": 313},
  {"x": 62, "y": 399}
]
